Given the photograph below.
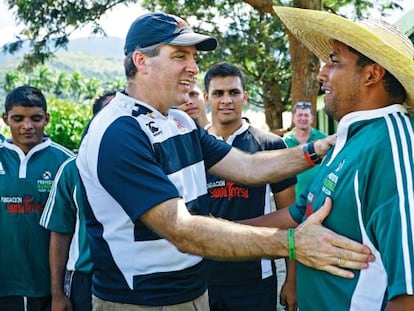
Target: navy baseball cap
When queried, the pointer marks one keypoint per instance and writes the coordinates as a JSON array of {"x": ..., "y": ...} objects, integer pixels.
[{"x": 159, "y": 27}]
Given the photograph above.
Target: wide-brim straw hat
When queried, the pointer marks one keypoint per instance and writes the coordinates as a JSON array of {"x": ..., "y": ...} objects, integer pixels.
[{"x": 381, "y": 42}]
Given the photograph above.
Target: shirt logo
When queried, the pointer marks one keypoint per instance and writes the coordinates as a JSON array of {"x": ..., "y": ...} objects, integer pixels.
[
  {"x": 45, "y": 184},
  {"x": 230, "y": 190},
  {"x": 19, "y": 205},
  {"x": 329, "y": 184},
  {"x": 180, "y": 126},
  {"x": 155, "y": 130},
  {"x": 2, "y": 171}
]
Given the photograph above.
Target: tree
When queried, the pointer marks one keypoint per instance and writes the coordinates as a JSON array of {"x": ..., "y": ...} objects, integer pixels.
[
  {"x": 69, "y": 100},
  {"x": 253, "y": 39},
  {"x": 67, "y": 121}
]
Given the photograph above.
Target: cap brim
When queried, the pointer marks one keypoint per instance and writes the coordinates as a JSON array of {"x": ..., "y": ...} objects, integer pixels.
[
  {"x": 317, "y": 30},
  {"x": 201, "y": 42}
]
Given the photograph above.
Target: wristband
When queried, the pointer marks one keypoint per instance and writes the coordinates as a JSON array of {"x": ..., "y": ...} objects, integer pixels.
[
  {"x": 291, "y": 243},
  {"x": 310, "y": 155}
]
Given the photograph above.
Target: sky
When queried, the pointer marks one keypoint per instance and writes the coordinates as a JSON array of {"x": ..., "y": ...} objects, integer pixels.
[{"x": 117, "y": 21}]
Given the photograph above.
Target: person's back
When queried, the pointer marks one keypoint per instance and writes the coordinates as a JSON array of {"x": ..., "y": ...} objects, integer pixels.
[
  {"x": 303, "y": 132},
  {"x": 29, "y": 163}
]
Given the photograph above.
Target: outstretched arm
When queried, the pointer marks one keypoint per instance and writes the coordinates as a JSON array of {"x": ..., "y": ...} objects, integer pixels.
[
  {"x": 316, "y": 246},
  {"x": 267, "y": 167}
]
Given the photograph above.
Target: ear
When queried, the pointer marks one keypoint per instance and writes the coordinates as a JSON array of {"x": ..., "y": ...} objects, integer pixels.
[
  {"x": 246, "y": 97},
  {"x": 140, "y": 61},
  {"x": 5, "y": 118},
  {"x": 374, "y": 74},
  {"x": 47, "y": 118},
  {"x": 205, "y": 95}
]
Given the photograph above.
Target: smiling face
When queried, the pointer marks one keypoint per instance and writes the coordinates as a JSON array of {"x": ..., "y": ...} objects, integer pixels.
[
  {"x": 341, "y": 82},
  {"x": 27, "y": 126},
  {"x": 302, "y": 118},
  {"x": 167, "y": 78},
  {"x": 226, "y": 98}
]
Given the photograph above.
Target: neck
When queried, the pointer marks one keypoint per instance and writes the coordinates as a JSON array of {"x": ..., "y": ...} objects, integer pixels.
[
  {"x": 202, "y": 120},
  {"x": 134, "y": 90},
  {"x": 224, "y": 130},
  {"x": 302, "y": 135}
]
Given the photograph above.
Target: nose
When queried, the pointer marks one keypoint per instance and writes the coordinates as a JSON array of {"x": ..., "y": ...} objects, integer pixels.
[
  {"x": 321, "y": 77},
  {"x": 192, "y": 67},
  {"x": 27, "y": 124},
  {"x": 225, "y": 98}
]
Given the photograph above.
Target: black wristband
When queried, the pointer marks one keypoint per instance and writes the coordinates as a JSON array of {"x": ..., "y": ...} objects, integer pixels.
[{"x": 310, "y": 154}]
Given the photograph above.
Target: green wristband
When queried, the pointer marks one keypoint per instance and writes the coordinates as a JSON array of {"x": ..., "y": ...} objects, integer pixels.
[{"x": 291, "y": 243}]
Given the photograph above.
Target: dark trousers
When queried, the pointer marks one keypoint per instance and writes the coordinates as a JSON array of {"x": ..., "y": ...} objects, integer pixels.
[
  {"x": 23, "y": 303},
  {"x": 81, "y": 291},
  {"x": 260, "y": 295}
]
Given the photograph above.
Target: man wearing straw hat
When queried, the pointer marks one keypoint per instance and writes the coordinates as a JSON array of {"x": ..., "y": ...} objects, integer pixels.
[{"x": 368, "y": 82}]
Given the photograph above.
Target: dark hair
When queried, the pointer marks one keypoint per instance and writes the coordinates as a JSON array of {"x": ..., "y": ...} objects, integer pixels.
[
  {"x": 102, "y": 100},
  {"x": 26, "y": 96},
  {"x": 223, "y": 70},
  {"x": 393, "y": 87}
]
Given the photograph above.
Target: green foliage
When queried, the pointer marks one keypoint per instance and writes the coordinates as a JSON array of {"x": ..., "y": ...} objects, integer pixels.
[
  {"x": 69, "y": 98},
  {"x": 253, "y": 40},
  {"x": 250, "y": 38},
  {"x": 67, "y": 121}
]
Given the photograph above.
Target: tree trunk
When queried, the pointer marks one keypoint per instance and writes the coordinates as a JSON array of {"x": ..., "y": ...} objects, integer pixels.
[
  {"x": 305, "y": 65},
  {"x": 272, "y": 105}
]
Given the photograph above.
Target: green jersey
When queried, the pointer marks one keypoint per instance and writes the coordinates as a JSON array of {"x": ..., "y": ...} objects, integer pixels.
[
  {"x": 305, "y": 177},
  {"x": 369, "y": 176},
  {"x": 64, "y": 213},
  {"x": 25, "y": 183}
]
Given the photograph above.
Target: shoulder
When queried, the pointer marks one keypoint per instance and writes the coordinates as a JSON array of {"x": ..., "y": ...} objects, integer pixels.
[
  {"x": 267, "y": 140},
  {"x": 316, "y": 134},
  {"x": 61, "y": 149}
]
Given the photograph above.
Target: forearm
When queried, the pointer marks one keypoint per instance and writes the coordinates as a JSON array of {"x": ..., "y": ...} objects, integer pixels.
[
  {"x": 58, "y": 257},
  {"x": 403, "y": 302},
  {"x": 316, "y": 246},
  {"x": 290, "y": 271},
  {"x": 216, "y": 238},
  {"x": 278, "y": 219},
  {"x": 261, "y": 167},
  {"x": 266, "y": 166}
]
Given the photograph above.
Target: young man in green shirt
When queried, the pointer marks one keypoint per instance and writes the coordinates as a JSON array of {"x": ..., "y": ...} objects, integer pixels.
[{"x": 28, "y": 165}]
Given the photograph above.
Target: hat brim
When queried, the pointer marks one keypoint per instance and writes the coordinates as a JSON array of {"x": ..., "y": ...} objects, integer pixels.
[
  {"x": 317, "y": 30},
  {"x": 200, "y": 41}
]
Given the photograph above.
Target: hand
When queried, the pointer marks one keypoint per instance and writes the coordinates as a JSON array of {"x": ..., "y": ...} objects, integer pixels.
[
  {"x": 288, "y": 296},
  {"x": 322, "y": 249},
  {"x": 61, "y": 303},
  {"x": 323, "y": 145}
]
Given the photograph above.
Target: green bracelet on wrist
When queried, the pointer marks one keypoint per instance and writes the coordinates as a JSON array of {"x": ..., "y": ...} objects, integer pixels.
[{"x": 291, "y": 243}]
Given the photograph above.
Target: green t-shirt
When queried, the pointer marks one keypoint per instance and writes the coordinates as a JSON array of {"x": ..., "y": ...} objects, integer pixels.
[
  {"x": 25, "y": 183},
  {"x": 369, "y": 176},
  {"x": 305, "y": 177},
  {"x": 64, "y": 213}
]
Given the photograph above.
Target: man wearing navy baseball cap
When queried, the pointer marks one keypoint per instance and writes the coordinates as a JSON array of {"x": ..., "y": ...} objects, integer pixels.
[
  {"x": 143, "y": 166},
  {"x": 155, "y": 28}
]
